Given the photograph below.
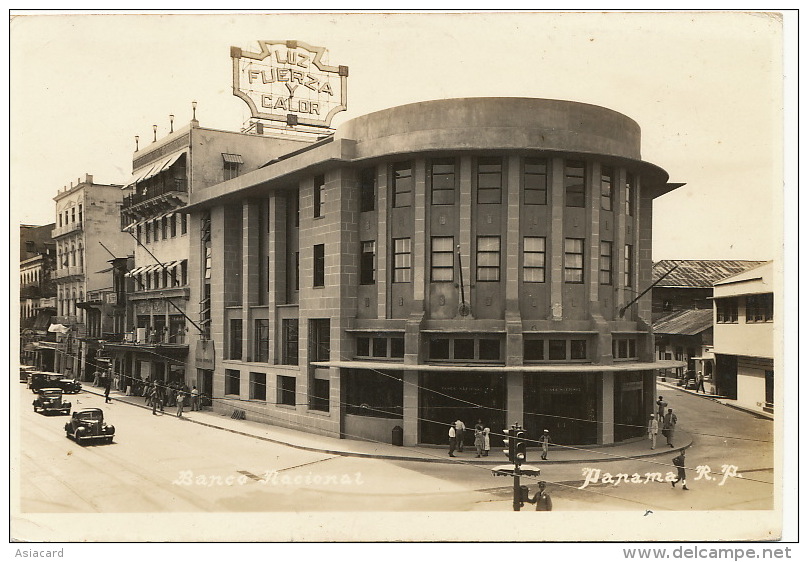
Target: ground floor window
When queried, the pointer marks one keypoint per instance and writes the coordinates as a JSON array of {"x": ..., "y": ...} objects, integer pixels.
[
  {"x": 286, "y": 390},
  {"x": 320, "y": 394},
  {"x": 566, "y": 404},
  {"x": 232, "y": 382},
  {"x": 258, "y": 386},
  {"x": 373, "y": 393}
]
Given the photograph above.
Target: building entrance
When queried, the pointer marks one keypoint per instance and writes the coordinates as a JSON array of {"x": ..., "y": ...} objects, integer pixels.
[
  {"x": 566, "y": 404},
  {"x": 446, "y": 397}
]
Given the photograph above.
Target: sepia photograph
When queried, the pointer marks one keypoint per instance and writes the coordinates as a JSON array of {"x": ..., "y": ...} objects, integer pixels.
[{"x": 373, "y": 277}]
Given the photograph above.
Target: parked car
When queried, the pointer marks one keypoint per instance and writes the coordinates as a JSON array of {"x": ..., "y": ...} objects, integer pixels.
[
  {"x": 88, "y": 424},
  {"x": 25, "y": 372},
  {"x": 42, "y": 379},
  {"x": 50, "y": 400},
  {"x": 69, "y": 385}
]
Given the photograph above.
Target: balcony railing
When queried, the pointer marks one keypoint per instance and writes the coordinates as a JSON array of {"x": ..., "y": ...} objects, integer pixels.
[
  {"x": 66, "y": 229},
  {"x": 69, "y": 271},
  {"x": 172, "y": 186}
]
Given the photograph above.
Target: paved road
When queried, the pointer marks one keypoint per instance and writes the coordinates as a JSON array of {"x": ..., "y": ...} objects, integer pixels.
[{"x": 165, "y": 464}]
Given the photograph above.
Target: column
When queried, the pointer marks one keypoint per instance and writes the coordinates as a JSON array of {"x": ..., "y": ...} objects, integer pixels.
[
  {"x": 515, "y": 392},
  {"x": 419, "y": 240},
  {"x": 556, "y": 238},
  {"x": 464, "y": 220},
  {"x": 382, "y": 238},
  {"x": 410, "y": 419},
  {"x": 606, "y": 410}
]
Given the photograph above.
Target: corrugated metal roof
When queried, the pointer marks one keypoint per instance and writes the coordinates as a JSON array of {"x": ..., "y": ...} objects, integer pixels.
[
  {"x": 699, "y": 273},
  {"x": 685, "y": 322}
]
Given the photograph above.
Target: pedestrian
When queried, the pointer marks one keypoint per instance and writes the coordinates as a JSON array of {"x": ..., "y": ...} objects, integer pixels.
[
  {"x": 486, "y": 441},
  {"x": 669, "y": 425},
  {"x": 679, "y": 463},
  {"x": 161, "y": 395},
  {"x": 542, "y": 499},
  {"x": 701, "y": 383},
  {"x": 661, "y": 405},
  {"x": 97, "y": 378},
  {"x": 653, "y": 429},
  {"x": 544, "y": 441},
  {"x": 180, "y": 402},
  {"x": 154, "y": 398},
  {"x": 479, "y": 438},
  {"x": 460, "y": 429},
  {"x": 194, "y": 399},
  {"x": 107, "y": 386},
  {"x": 452, "y": 439}
]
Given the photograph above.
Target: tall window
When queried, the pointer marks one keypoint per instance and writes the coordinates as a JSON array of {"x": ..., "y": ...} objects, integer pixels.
[
  {"x": 148, "y": 231},
  {"x": 402, "y": 260},
  {"x": 184, "y": 223},
  {"x": 442, "y": 258},
  {"x": 261, "y": 340},
  {"x": 442, "y": 174},
  {"x": 289, "y": 341},
  {"x": 534, "y": 259},
  {"x": 286, "y": 390},
  {"x": 367, "y": 189},
  {"x": 235, "y": 338},
  {"x": 606, "y": 187},
  {"x": 573, "y": 260},
  {"x": 319, "y": 196},
  {"x": 173, "y": 225},
  {"x": 488, "y": 250},
  {"x": 164, "y": 227},
  {"x": 232, "y": 165},
  {"x": 402, "y": 184},
  {"x": 630, "y": 194},
  {"x": 628, "y": 265},
  {"x": 319, "y": 265},
  {"x": 535, "y": 180},
  {"x": 489, "y": 180},
  {"x": 574, "y": 183},
  {"x": 81, "y": 213},
  {"x": 367, "y": 263},
  {"x": 232, "y": 382},
  {"x": 320, "y": 339},
  {"x": 258, "y": 386},
  {"x": 605, "y": 263}
]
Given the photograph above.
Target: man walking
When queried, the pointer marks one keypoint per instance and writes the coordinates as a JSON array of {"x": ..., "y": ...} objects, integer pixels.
[
  {"x": 180, "y": 401},
  {"x": 107, "y": 385},
  {"x": 668, "y": 426},
  {"x": 661, "y": 405},
  {"x": 701, "y": 383},
  {"x": 679, "y": 463},
  {"x": 194, "y": 399},
  {"x": 452, "y": 439},
  {"x": 653, "y": 429},
  {"x": 154, "y": 397},
  {"x": 544, "y": 441},
  {"x": 460, "y": 428}
]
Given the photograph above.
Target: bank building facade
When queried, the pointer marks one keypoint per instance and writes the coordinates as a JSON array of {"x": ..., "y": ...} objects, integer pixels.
[{"x": 477, "y": 258}]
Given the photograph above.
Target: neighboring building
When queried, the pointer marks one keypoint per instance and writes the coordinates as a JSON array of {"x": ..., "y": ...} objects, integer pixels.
[
  {"x": 462, "y": 258},
  {"x": 37, "y": 295},
  {"x": 744, "y": 337},
  {"x": 87, "y": 229},
  {"x": 687, "y": 336},
  {"x": 154, "y": 342},
  {"x": 690, "y": 285}
]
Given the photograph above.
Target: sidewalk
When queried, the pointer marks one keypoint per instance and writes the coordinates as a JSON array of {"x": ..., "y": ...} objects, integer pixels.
[
  {"x": 637, "y": 448},
  {"x": 716, "y": 398}
]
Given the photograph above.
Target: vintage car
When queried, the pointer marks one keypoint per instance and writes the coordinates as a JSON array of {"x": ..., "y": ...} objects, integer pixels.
[
  {"x": 50, "y": 400},
  {"x": 25, "y": 372},
  {"x": 88, "y": 424},
  {"x": 42, "y": 379}
]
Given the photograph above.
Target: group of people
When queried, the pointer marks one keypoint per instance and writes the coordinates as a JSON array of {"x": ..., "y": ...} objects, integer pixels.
[
  {"x": 666, "y": 421},
  {"x": 159, "y": 395},
  {"x": 482, "y": 441}
]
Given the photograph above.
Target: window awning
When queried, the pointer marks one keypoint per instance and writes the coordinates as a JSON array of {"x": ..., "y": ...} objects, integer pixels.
[
  {"x": 150, "y": 171},
  {"x": 232, "y": 158},
  {"x": 134, "y": 271}
]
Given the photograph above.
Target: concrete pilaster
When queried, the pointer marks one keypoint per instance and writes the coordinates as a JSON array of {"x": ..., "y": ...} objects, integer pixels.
[
  {"x": 382, "y": 237},
  {"x": 410, "y": 419},
  {"x": 622, "y": 294},
  {"x": 515, "y": 392},
  {"x": 606, "y": 412},
  {"x": 419, "y": 239},
  {"x": 594, "y": 236},
  {"x": 556, "y": 242},
  {"x": 464, "y": 220}
]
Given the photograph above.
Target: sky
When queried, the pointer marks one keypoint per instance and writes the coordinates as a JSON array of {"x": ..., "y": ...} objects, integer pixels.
[{"x": 705, "y": 87}]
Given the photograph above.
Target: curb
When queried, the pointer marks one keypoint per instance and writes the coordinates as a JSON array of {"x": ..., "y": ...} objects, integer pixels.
[{"x": 720, "y": 400}]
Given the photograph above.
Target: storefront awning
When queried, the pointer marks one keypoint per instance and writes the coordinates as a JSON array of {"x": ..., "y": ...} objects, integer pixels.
[{"x": 554, "y": 368}]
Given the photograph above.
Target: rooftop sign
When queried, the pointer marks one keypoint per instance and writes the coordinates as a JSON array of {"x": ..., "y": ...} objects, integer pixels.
[{"x": 287, "y": 81}]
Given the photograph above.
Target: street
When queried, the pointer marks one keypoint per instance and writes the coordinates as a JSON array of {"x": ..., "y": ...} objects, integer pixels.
[{"x": 165, "y": 464}]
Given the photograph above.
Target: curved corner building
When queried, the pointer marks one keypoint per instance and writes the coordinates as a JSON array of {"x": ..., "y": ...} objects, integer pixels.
[{"x": 460, "y": 258}]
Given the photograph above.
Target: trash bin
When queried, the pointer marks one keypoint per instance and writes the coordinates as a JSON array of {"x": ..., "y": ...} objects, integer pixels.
[{"x": 398, "y": 436}]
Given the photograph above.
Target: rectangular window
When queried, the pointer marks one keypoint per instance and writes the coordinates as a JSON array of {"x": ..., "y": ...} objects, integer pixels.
[
  {"x": 289, "y": 341},
  {"x": 367, "y": 189},
  {"x": 258, "y": 386},
  {"x": 320, "y": 339},
  {"x": 380, "y": 347},
  {"x": 558, "y": 350},
  {"x": 172, "y": 221},
  {"x": 402, "y": 184},
  {"x": 760, "y": 308},
  {"x": 606, "y": 187},
  {"x": 533, "y": 259},
  {"x": 232, "y": 382},
  {"x": 164, "y": 227},
  {"x": 235, "y": 338},
  {"x": 605, "y": 263},
  {"x": 535, "y": 179},
  {"x": 488, "y": 250},
  {"x": 577, "y": 349},
  {"x": 442, "y": 259},
  {"x": 726, "y": 310},
  {"x": 629, "y": 194},
  {"x": 632, "y": 347},
  {"x": 319, "y": 196},
  {"x": 81, "y": 213},
  {"x": 319, "y": 265},
  {"x": 231, "y": 170},
  {"x": 286, "y": 390},
  {"x": 489, "y": 350},
  {"x": 320, "y": 395},
  {"x": 439, "y": 348},
  {"x": 489, "y": 180},
  {"x": 261, "y": 340},
  {"x": 442, "y": 176},
  {"x": 463, "y": 348},
  {"x": 367, "y": 263},
  {"x": 533, "y": 350},
  {"x": 397, "y": 347},
  {"x": 574, "y": 184},
  {"x": 628, "y": 265},
  {"x": 363, "y": 347},
  {"x": 148, "y": 231},
  {"x": 402, "y": 260},
  {"x": 184, "y": 218},
  {"x": 573, "y": 260}
]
